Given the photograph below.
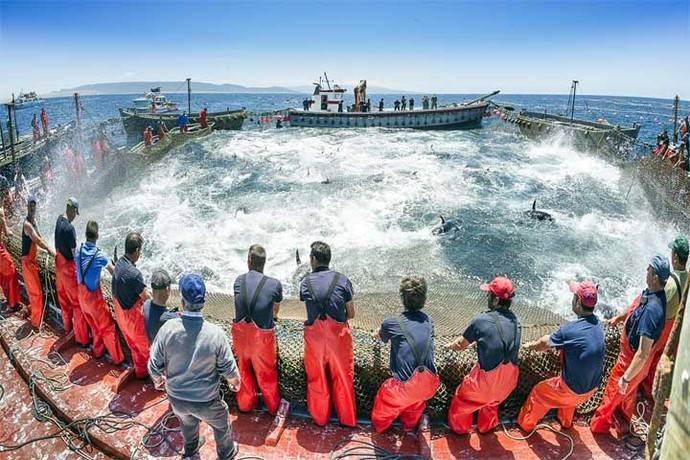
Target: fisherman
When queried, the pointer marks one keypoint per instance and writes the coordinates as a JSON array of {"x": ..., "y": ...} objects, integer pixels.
[
  {"x": 328, "y": 353},
  {"x": 35, "y": 129},
  {"x": 340, "y": 106},
  {"x": 582, "y": 348},
  {"x": 425, "y": 102},
  {"x": 155, "y": 309},
  {"x": 129, "y": 295},
  {"x": 182, "y": 121},
  {"x": 148, "y": 136},
  {"x": 415, "y": 379},
  {"x": 368, "y": 105},
  {"x": 90, "y": 261},
  {"x": 381, "y": 105},
  {"x": 497, "y": 334},
  {"x": 642, "y": 328},
  {"x": 44, "y": 122},
  {"x": 403, "y": 103},
  {"x": 411, "y": 103},
  {"x": 257, "y": 302},
  {"x": 674, "y": 289},
  {"x": 203, "y": 118},
  {"x": 188, "y": 358},
  {"x": 434, "y": 102},
  {"x": 66, "y": 274},
  {"x": 9, "y": 283},
  {"x": 31, "y": 241},
  {"x": 162, "y": 130},
  {"x": 305, "y": 104}
]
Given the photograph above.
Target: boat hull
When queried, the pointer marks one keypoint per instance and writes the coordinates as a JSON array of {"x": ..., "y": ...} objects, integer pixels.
[
  {"x": 135, "y": 123},
  {"x": 443, "y": 118}
]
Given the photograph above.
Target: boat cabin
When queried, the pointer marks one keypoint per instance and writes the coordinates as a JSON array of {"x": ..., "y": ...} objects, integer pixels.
[
  {"x": 327, "y": 98},
  {"x": 154, "y": 102}
]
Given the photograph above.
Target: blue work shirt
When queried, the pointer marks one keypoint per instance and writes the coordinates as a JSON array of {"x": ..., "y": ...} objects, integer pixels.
[
  {"x": 154, "y": 317},
  {"x": 89, "y": 261},
  {"x": 182, "y": 120},
  {"x": 271, "y": 292},
  {"x": 321, "y": 279},
  {"x": 648, "y": 319},
  {"x": 490, "y": 349},
  {"x": 582, "y": 344},
  {"x": 128, "y": 283},
  {"x": 420, "y": 328},
  {"x": 65, "y": 238}
]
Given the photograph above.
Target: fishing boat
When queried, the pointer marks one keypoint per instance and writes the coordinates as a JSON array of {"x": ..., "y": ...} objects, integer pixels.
[
  {"x": 155, "y": 102},
  {"x": 29, "y": 99},
  {"x": 600, "y": 135},
  {"x": 173, "y": 138},
  {"x": 326, "y": 110}
]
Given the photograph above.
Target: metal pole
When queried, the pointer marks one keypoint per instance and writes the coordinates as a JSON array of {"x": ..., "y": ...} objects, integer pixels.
[
  {"x": 572, "y": 111},
  {"x": 16, "y": 125},
  {"x": 2, "y": 135},
  {"x": 189, "y": 96},
  {"x": 10, "y": 128},
  {"x": 676, "y": 102},
  {"x": 77, "y": 109}
]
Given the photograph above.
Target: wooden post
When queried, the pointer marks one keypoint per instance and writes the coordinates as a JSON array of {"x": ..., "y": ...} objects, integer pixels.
[
  {"x": 10, "y": 127},
  {"x": 189, "y": 96},
  {"x": 16, "y": 125},
  {"x": 676, "y": 102},
  {"x": 77, "y": 109}
]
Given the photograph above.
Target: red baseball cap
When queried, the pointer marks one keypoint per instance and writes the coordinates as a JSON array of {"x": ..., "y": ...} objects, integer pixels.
[
  {"x": 586, "y": 292},
  {"x": 501, "y": 287}
]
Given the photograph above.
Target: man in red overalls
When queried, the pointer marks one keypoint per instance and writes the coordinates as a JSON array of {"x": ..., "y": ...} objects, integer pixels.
[
  {"x": 415, "y": 379},
  {"x": 582, "y": 348},
  {"x": 328, "y": 355},
  {"x": 497, "y": 334},
  {"x": 643, "y": 325},
  {"x": 44, "y": 122},
  {"x": 66, "y": 274},
  {"x": 31, "y": 240},
  {"x": 257, "y": 301},
  {"x": 129, "y": 295},
  {"x": 203, "y": 117},
  {"x": 8, "y": 272}
]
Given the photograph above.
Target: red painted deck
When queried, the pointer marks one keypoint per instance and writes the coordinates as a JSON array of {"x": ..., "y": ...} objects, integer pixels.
[{"x": 90, "y": 395}]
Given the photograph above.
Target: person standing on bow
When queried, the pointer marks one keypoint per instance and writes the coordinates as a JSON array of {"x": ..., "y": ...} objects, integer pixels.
[
  {"x": 9, "y": 282},
  {"x": 415, "y": 379},
  {"x": 257, "y": 302},
  {"x": 44, "y": 122},
  {"x": 182, "y": 122},
  {"x": 203, "y": 118},
  {"x": 582, "y": 348},
  {"x": 328, "y": 354},
  {"x": 497, "y": 335},
  {"x": 35, "y": 131}
]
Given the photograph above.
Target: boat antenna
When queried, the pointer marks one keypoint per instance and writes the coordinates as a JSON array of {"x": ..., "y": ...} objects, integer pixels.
[
  {"x": 676, "y": 102},
  {"x": 189, "y": 96},
  {"x": 327, "y": 82},
  {"x": 572, "y": 108}
]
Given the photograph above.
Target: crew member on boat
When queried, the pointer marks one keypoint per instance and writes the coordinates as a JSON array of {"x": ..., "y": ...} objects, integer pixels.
[
  {"x": 155, "y": 309},
  {"x": 9, "y": 283},
  {"x": 434, "y": 102},
  {"x": 497, "y": 334},
  {"x": 162, "y": 130},
  {"x": 31, "y": 241},
  {"x": 257, "y": 303},
  {"x": 381, "y": 105},
  {"x": 328, "y": 353},
  {"x": 674, "y": 288},
  {"x": 415, "y": 379},
  {"x": 44, "y": 122},
  {"x": 203, "y": 118},
  {"x": 403, "y": 103},
  {"x": 66, "y": 274},
  {"x": 396, "y": 105},
  {"x": 129, "y": 295},
  {"x": 148, "y": 136},
  {"x": 643, "y": 325},
  {"x": 411, "y": 103},
  {"x": 182, "y": 122},
  {"x": 582, "y": 348},
  {"x": 90, "y": 261},
  {"x": 35, "y": 129}
]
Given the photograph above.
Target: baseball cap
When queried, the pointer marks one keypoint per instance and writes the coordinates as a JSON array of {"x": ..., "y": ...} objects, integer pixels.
[
  {"x": 193, "y": 289},
  {"x": 680, "y": 246},
  {"x": 586, "y": 293},
  {"x": 72, "y": 202},
  {"x": 31, "y": 199},
  {"x": 160, "y": 279},
  {"x": 660, "y": 266},
  {"x": 501, "y": 287}
]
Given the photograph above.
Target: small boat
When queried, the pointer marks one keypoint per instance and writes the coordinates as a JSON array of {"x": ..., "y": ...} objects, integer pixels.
[
  {"x": 600, "y": 135},
  {"x": 173, "y": 138},
  {"x": 155, "y": 102},
  {"x": 325, "y": 110},
  {"x": 29, "y": 99}
]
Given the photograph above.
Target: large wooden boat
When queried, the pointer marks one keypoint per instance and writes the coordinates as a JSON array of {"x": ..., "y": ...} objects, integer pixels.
[
  {"x": 325, "y": 110},
  {"x": 135, "y": 123},
  {"x": 173, "y": 138}
]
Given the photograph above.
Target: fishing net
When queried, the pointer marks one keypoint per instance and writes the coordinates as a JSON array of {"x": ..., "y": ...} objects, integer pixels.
[{"x": 451, "y": 310}]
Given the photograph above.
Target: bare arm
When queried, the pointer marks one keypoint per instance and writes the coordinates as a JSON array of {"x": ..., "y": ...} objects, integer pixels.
[
  {"x": 458, "y": 345},
  {"x": 541, "y": 344},
  {"x": 276, "y": 310},
  {"x": 110, "y": 267},
  {"x": 640, "y": 358},
  {"x": 350, "y": 310},
  {"x": 36, "y": 238}
]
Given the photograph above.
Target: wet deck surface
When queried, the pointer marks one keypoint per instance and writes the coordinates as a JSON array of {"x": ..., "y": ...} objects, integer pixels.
[{"x": 89, "y": 394}]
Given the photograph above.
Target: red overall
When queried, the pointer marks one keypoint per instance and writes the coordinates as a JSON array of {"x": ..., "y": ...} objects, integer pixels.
[
  {"x": 549, "y": 394},
  {"x": 255, "y": 351},
  {"x": 44, "y": 122},
  {"x": 8, "y": 277},
  {"x": 613, "y": 399},
  {"x": 131, "y": 324},
  {"x": 404, "y": 400},
  {"x": 330, "y": 367},
  {"x": 481, "y": 391},
  {"x": 203, "y": 119},
  {"x": 657, "y": 351},
  {"x": 102, "y": 325},
  {"x": 68, "y": 297},
  {"x": 32, "y": 282}
]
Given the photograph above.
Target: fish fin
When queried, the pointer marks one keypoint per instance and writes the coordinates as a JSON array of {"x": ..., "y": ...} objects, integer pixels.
[
  {"x": 443, "y": 221},
  {"x": 534, "y": 205},
  {"x": 298, "y": 261}
]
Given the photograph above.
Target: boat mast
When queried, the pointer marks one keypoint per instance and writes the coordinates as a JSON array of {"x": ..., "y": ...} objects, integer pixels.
[
  {"x": 572, "y": 108},
  {"x": 189, "y": 96},
  {"x": 10, "y": 125},
  {"x": 77, "y": 109},
  {"x": 676, "y": 102},
  {"x": 16, "y": 126},
  {"x": 327, "y": 82}
]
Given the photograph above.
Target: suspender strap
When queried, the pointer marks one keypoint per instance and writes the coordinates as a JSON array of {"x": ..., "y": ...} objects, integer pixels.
[
  {"x": 420, "y": 358},
  {"x": 507, "y": 347},
  {"x": 321, "y": 303},
  {"x": 83, "y": 270},
  {"x": 250, "y": 305}
]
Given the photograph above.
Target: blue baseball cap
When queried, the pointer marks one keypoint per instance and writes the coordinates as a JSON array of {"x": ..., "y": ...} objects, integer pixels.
[
  {"x": 660, "y": 266},
  {"x": 31, "y": 198},
  {"x": 193, "y": 289}
]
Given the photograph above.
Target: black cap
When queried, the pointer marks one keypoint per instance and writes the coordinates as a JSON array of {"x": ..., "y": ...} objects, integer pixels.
[{"x": 160, "y": 279}]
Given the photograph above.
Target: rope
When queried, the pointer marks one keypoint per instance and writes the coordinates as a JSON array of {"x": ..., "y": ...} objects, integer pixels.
[
  {"x": 367, "y": 451},
  {"x": 539, "y": 427}
]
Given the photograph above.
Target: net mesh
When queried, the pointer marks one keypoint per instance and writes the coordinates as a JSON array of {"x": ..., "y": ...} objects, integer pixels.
[{"x": 451, "y": 310}]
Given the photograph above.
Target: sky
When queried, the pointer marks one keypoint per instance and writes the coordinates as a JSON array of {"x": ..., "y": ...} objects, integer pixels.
[{"x": 621, "y": 47}]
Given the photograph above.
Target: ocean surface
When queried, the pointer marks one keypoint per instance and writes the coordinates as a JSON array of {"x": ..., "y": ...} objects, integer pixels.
[{"x": 201, "y": 207}]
